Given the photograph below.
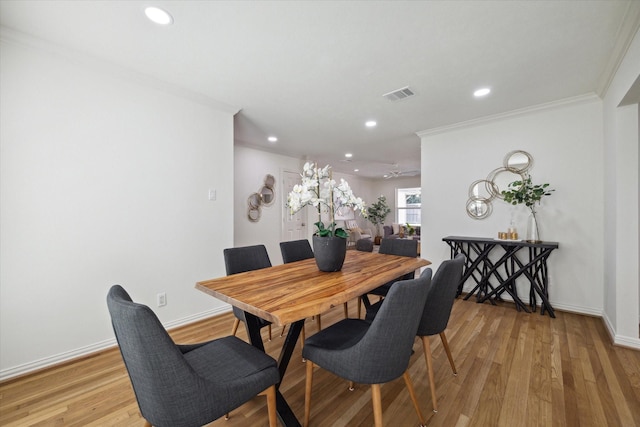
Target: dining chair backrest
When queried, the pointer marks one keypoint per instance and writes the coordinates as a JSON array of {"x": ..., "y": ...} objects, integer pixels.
[
  {"x": 295, "y": 250},
  {"x": 242, "y": 259},
  {"x": 383, "y": 353},
  {"x": 156, "y": 366},
  {"x": 246, "y": 258},
  {"x": 364, "y": 245},
  {"x": 401, "y": 247},
  {"x": 442, "y": 294}
]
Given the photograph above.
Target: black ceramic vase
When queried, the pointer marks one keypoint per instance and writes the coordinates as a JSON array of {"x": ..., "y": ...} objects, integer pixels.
[{"x": 329, "y": 252}]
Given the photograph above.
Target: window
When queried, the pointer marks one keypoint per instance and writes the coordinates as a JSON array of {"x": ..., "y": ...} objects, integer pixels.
[{"x": 408, "y": 205}]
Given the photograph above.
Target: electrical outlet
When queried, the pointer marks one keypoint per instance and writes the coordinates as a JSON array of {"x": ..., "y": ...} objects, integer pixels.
[{"x": 161, "y": 299}]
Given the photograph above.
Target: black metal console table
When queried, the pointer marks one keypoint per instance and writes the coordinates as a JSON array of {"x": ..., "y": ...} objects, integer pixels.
[{"x": 480, "y": 268}]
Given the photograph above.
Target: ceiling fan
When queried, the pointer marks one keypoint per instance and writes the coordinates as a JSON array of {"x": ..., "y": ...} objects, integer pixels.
[{"x": 396, "y": 172}]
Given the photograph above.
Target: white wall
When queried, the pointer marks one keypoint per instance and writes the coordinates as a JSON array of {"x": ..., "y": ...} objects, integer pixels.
[
  {"x": 251, "y": 167},
  {"x": 622, "y": 252},
  {"x": 566, "y": 142},
  {"x": 103, "y": 181}
]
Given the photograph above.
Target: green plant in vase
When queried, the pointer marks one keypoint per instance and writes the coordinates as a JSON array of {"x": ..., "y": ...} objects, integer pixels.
[
  {"x": 378, "y": 212},
  {"x": 410, "y": 229},
  {"x": 529, "y": 194}
]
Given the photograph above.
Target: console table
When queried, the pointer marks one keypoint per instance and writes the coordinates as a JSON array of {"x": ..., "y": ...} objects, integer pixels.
[{"x": 516, "y": 258}]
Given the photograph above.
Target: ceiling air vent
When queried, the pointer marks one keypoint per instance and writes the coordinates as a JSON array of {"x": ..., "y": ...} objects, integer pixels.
[{"x": 399, "y": 94}]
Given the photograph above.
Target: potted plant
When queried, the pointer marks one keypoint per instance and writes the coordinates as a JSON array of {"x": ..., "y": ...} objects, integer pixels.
[
  {"x": 319, "y": 190},
  {"x": 526, "y": 192},
  {"x": 410, "y": 229},
  {"x": 377, "y": 213}
]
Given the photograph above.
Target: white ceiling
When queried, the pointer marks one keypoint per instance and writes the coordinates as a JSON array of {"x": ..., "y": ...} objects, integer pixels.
[{"x": 312, "y": 72}]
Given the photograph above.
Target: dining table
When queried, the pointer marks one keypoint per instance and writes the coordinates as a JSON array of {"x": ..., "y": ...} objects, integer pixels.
[{"x": 288, "y": 294}]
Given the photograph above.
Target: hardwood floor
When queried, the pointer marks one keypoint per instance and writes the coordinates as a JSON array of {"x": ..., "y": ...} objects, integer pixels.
[{"x": 514, "y": 369}]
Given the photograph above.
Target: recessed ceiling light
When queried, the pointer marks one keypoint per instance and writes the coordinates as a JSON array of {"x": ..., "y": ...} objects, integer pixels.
[
  {"x": 272, "y": 139},
  {"x": 482, "y": 92},
  {"x": 159, "y": 16},
  {"x": 356, "y": 170},
  {"x": 348, "y": 155},
  {"x": 371, "y": 124}
]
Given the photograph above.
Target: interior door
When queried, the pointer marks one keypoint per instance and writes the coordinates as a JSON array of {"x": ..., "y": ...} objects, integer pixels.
[{"x": 294, "y": 226}]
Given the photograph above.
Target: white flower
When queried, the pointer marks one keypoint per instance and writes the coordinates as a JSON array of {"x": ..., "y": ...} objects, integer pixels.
[{"x": 327, "y": 197}]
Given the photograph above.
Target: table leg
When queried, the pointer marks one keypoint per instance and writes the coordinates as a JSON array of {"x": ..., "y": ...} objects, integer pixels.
[{"x": 285, "y": 414}]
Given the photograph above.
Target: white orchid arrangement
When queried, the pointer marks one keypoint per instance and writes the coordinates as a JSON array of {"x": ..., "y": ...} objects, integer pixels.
[{"x": 321, "y": 191}]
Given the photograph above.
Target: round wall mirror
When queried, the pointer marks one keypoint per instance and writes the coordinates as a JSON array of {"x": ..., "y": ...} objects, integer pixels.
[
  {"x": 269, "y": 181},
  {"x": 501, "y": 178},
  {"x": 479, "y": 209},
  {"x": 519, "y": 161},
  {"x": 253, "y": 214},
  {"x": 254, "y": 200},
  {"x": 267, "y": 195},
  {"x": 481, "y": 190}
]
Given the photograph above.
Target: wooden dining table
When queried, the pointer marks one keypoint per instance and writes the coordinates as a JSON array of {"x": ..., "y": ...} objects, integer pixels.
[{"x": 287, "y": 294}]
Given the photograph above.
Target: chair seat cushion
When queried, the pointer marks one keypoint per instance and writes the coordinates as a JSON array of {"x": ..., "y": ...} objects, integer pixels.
[
  {"x": 234, "y": 369},
  {"x": 338, "y": 336},
  {"x": 329, "y": 348},
  {"x": 240, "y": 368},
  {"x": 228, "y": 358}
]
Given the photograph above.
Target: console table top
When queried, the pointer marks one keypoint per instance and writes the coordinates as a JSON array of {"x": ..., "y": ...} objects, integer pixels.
[{"x": 500, "y": 241}]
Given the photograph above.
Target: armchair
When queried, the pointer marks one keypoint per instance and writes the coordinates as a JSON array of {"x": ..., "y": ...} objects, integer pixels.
[{"x": 355, "y": 232}]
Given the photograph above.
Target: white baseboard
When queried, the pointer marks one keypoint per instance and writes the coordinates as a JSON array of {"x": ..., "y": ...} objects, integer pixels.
[
  {"x": 46, "y": 362},
  {"x": 621, "y": 340}
]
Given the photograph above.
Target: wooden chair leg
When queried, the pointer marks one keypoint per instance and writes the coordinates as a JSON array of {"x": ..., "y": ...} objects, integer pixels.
[
  {"x": 359, "y": 307},
  {"x": 346, "y": 310},
  {"x": 303, "y": 338},
  {"x": 445, "y": 344},
  {"x": 412, "y": 393},
  {"x": 271, "y": 406},
  {"x": 432, "y": 382},
  {"x": 307, "y": 393},
  {"x": 319, "y": 322},
  {"x": 234, "y": 329},
  {"x": 269, "y": 332},
  {"x": 284, "y": 328},
  {"x": 376, "y": 398},
  {"x": 351, "y": 386}
]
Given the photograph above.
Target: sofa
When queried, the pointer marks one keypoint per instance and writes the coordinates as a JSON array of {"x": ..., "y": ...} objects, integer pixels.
[{"x": 394, "y": 230}]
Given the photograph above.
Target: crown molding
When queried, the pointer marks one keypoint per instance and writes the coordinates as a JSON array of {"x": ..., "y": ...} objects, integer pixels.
[
  {"x": 626, "y": 33},
  {"x": 10, "y": 36},
  {"x": 581, "y": 99}
]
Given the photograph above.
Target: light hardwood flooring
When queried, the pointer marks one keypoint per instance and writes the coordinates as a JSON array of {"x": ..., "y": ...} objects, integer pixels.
[{"x": 514, "y": 369}]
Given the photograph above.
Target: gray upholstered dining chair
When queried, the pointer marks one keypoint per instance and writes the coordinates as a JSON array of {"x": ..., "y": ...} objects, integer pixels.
[
  {"x": 436, "y": 313},
  {"x": 187, "y": 385},
  {"x": 372, "y": 352},
  {"x": 400, "y": 247},
  {"x": 295, "y": 250},
  {"x": 239, "y": 260}
]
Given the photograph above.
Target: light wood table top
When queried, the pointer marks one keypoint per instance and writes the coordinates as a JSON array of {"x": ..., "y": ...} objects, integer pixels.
[{"x": 286, "y": 293}]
